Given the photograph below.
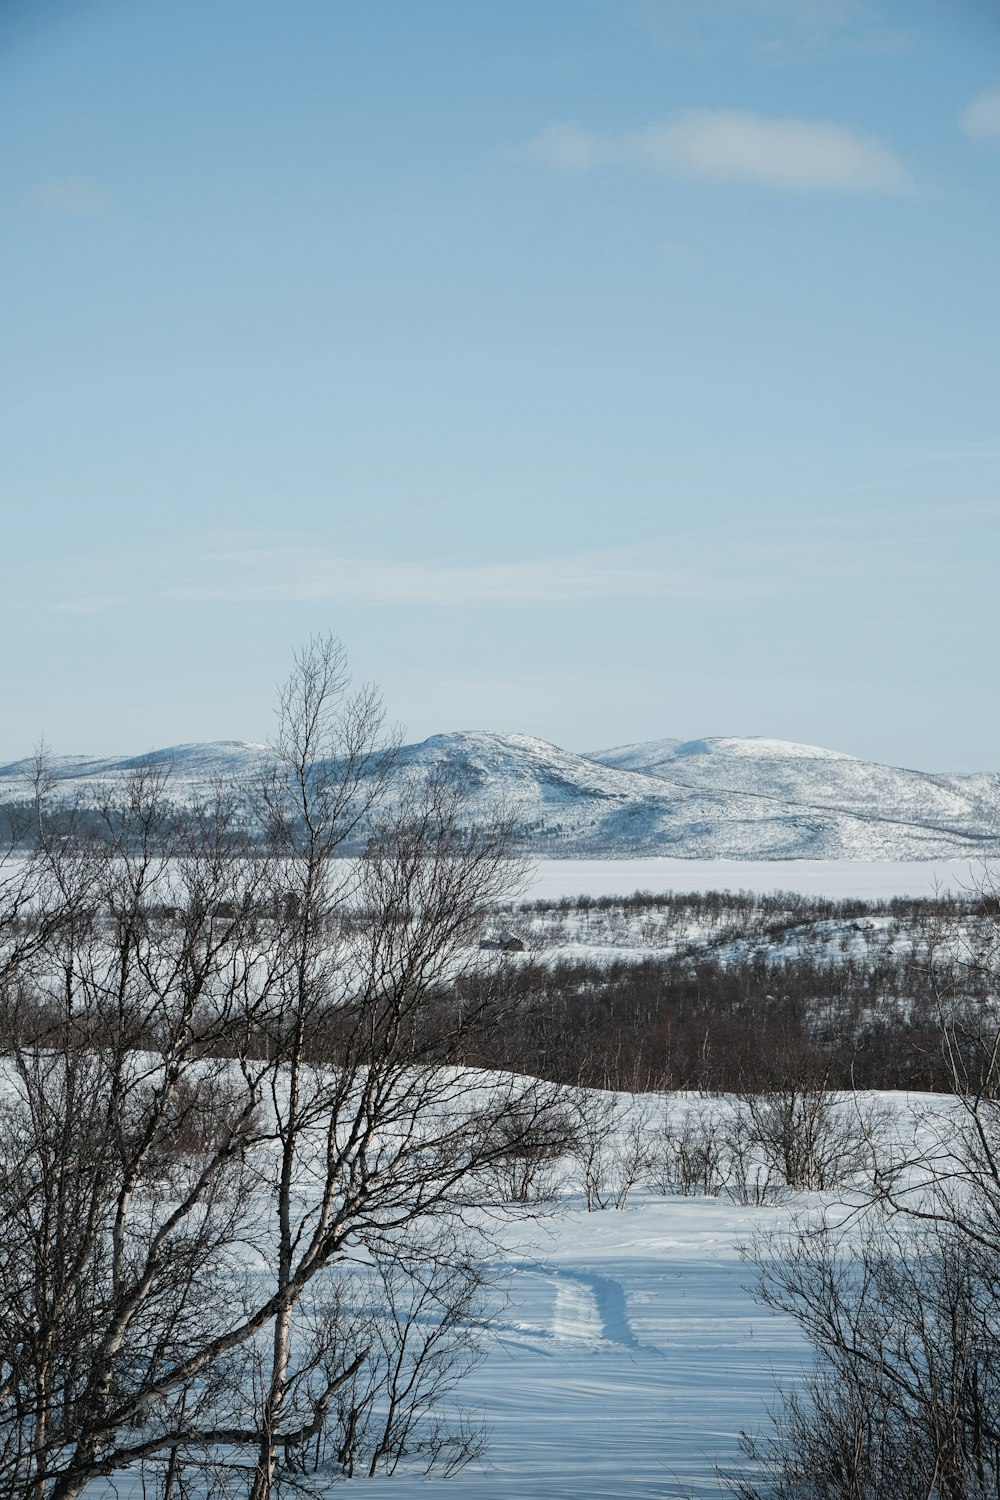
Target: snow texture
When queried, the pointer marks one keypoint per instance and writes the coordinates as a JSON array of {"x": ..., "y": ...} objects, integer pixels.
[{"x": 628, "y": 1360}]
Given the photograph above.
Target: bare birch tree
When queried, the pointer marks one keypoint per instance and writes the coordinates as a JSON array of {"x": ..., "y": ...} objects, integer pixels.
[{"x": 229, "y": 1073}]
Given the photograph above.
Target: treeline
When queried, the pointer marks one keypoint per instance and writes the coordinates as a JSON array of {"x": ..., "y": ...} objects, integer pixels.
[
  {"x": 843, "y": 1008},
  {"x": 746, "y": 905},
  {"x": 674, "y": 1024},
  {"x": 654, "y": 919}
]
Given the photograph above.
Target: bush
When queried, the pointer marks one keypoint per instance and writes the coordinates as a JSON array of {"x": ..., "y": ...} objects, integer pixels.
[
  {"x": 690, "y": 1155},
  {"x": 904, "y": 1396}
]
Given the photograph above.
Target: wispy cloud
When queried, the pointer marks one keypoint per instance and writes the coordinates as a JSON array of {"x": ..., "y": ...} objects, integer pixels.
[
  {"x": 302, "y": 577},
  {"x": 792, "y": 155},
  {"x": 740, "y": 564},
  {"x": 981, "y": 117},
  {"x": 92, "y": 604},
  {"x": 777, "y": 30},
  {"x": 74, "y": 197},
  {"x": 827, "y": 13}
]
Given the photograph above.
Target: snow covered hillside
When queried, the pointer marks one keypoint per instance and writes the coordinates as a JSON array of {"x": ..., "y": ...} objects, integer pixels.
[
  {"x": 698, "y": 799},
  {"x": 811, "y": 777}
]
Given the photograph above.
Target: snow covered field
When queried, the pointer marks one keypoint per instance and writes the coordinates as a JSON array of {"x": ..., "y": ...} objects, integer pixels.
[
  {"x": 628, "y": 1360},
  {"x": 629, "y": 1352},
  {"x": 866, "y": 879},
  {"x": 632, "y": 1352}
]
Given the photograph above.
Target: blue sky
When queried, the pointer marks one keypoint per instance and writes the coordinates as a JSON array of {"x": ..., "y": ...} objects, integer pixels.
[{"x": 596, "y": 369}]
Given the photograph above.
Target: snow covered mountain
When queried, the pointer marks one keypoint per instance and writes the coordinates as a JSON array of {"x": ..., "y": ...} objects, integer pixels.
[
  {"x": 191, "y": 769},
  {"x": 725, "y": 799},
  {"x": 716, "y": 798},
  {"x": 807, "y": 776}
]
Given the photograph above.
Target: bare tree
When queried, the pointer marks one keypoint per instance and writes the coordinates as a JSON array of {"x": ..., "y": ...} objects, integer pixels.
[
  {"x": 115, "y": 1241},
  {"x": 422, "y": 1314},
  {"x": 230, "y": 1072},
  {"x": 614, "y": 1145}
]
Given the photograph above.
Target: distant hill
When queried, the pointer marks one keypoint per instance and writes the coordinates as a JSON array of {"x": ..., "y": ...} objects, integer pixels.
[
  {"x": 806, "y": 776},
  {"x": 715, "y": 798}
]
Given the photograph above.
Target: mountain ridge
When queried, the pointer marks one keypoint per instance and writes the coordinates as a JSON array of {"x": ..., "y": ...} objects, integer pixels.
[{"x": 724, "y": 797}]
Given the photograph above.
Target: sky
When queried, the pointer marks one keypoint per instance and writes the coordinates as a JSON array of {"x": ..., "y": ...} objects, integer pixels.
[{"x": 602, "y": 370}]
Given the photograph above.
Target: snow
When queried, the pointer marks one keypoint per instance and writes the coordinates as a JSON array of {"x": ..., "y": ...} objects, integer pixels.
[
  {"x": 632, "y": 1353},
  {"x": 722, "y": 798},
  {"x": 745, "y": 799},
  {"x": 628, "y": 1353},
  {"x": 755, "y": 747},
  {"x": 869, "y": 880},
  {"x": 629, "y": 1358}
]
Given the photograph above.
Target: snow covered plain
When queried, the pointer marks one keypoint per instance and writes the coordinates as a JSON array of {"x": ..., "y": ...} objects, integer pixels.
[
  {"x": 625, "y": 1351},
  {"x": 632, "y": 1353},
  {"x": 622, "y": 1364},
  {"x": 629, "y": 1358}
]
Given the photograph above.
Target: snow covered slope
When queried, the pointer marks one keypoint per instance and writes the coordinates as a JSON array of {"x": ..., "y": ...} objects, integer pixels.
[
  {"x": 191, "y": 769},
  {"x": 789, "y": 772},
  {"x": 811, "y": 778},
  {"x": 699, "y": 799},
  {"x": 735, "y": 799}
]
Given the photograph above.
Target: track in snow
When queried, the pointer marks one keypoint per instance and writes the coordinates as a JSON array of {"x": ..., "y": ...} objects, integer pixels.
[{"x": 586, "y": 1308}]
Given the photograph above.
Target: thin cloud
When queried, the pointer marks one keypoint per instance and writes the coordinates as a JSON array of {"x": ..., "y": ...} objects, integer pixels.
[
  {"x": 74, "y": 197},
  {"x": 299, "y": 577},
  {"x": 827, "y": 13},
  {"x": 981, "y": 118},
  {"x": 727, "y": 146},
  {"x": 92, "y": 604},
  {"x": 778, "y": 30}
]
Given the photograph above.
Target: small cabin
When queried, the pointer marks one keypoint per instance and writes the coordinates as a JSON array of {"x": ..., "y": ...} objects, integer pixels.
[{"x": 507, "y": 942}]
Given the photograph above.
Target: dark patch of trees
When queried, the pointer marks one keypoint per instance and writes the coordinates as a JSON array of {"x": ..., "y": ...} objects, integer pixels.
[{"x": 746, "y": 1018}]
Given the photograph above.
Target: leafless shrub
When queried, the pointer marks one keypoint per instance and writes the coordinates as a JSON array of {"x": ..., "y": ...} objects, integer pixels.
[
  {"x": 902, "y": 1303},
  {"x": 690, "y": 1154},
  {"x": 904, "y": 1394},
  {"x": 807, "y": 1139},
  {"x": 614, "y": 1146},
  {"x": 530, "y": 1146},
  {"x": 748, "y": 1178}
]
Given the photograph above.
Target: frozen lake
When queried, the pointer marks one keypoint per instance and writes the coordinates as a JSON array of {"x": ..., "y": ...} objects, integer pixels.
[{"x": 865, "y": 879}]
